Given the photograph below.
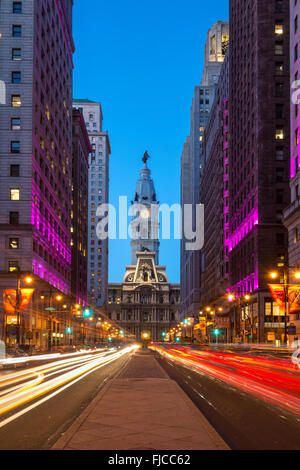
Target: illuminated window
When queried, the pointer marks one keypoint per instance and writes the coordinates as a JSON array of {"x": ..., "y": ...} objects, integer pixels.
[
  {"x": 16, "y": 101},
  {"x": 13, "y": 266},
  {"x": 279, "y": 29},
  {"x": 213, "y": 45},
  {"x": 295, "y": 235},
  {"x": 279, "y": 133},
  {"x": 14, "y": 194},
  {"x": 13, "y": 243}
]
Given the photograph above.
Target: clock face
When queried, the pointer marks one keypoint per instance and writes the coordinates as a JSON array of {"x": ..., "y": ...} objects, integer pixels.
[{"x": 145, "y": 214}]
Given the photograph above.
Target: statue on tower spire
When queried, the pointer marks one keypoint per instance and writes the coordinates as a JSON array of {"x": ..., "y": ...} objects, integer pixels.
[{"x": 146, "y": 157}]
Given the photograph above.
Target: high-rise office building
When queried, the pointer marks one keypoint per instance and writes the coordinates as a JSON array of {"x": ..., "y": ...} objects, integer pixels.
[
  {"x": 292, "y": 213},
  {"x": 192, "y": 165},
  {"x": 79, "y": 230},
  {"x": 259, "y": 158},
  {"x": 214, "y": 197},
  {"x": 98, "y": 194},
  {"x": 36, "y": 63}
]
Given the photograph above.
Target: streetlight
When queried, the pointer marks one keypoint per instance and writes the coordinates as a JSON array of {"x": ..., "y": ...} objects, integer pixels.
[{"x": 28, "y": 280}]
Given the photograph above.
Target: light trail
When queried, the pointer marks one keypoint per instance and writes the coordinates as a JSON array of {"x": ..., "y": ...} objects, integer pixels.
[
  {"x": 276, "y": 381},
  {"x": 53, "y": 376}
]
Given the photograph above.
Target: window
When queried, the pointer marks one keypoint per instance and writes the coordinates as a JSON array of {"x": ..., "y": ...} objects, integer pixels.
[
  {"x": 14, "y": 243},
  {"x": 279, "y": 175},
  {"x": 296, "y": 53},
  {"x": 279, "y": 111},
  {"x": 279, "y": 68},
  {"x": 17, "y": 7},
  {"x": 15, "y": 171},
  {"x": 14, "y": 218},
  {"x": 279, "y": 29},
  {"x": 268, "y": 309},
  {"x": 280, "y": 238},
  {"x": 213, "y": 45},
  {"x": 279, "y": 90},
  {"x": 17, "y": 31},
  {"x": 15, "y": 124},
  {"x": 279, "y": 48},
  {"x": 15, "y": 146},
  {"x": 279, "y": 153},
  {"x": 295, "y": 235},
  {"x": 13, "y": 266},
  {"x": 16, "y": 101},
  {"x": 280, "y": 196},
  {"x": 279, "y": 135},
  {"x": 16, "y": 54},
  {"x": 14, "y": 194},
  {"x": 16, "y": 77}
]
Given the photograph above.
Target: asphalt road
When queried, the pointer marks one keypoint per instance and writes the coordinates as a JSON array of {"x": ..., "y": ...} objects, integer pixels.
[
  {"x": 244, "y": 421},
  {"x": 40, "y": 428}
]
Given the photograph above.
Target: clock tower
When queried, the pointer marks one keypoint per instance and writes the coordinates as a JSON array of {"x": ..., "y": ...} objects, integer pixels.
[{"x": 145, "y": 216}]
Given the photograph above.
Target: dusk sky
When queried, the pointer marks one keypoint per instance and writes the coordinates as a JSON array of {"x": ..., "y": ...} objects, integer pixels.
[{"x": 142, "y": 60}]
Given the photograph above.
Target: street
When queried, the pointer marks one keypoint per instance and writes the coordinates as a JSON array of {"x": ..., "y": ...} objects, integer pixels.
[
  {"x": 236, "y": 393},
  {"x": 38, "y": 402}
]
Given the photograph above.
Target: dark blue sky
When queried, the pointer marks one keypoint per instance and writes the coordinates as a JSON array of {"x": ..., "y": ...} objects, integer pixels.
[{"x": 141, "y": 60}]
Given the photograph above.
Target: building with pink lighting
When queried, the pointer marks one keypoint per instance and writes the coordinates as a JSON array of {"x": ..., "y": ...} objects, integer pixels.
[
  {"x": 259, "y": 161},
  {"x": 36, "y": 63},
  {"x": 292, "y": 213},
  {"x": 80, "y": 186}
]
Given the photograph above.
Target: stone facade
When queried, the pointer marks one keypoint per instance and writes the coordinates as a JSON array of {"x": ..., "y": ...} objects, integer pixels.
[
  {"x": 98, "y": 194},
  {"x": 145, "y": 301}
]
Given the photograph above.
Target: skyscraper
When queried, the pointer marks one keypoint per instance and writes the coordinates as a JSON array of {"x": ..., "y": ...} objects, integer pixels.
[
  {"x": 192, "y": 165},
  {"x": 292, "y": 213},
  {"x": 98, "y": 194},
  {"x": 36, "y": 63},
  {"x": 259, "y": 105},
  {"x": 79, "y": 230}
]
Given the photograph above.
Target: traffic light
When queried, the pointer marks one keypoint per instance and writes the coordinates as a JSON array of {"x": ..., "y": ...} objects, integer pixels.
[
  {"x": 109, "y": 339},
  {"x": 69, "y": 330},
  {"x": 216, "y": 332},
  {"x": 177, "y": 339},
  {"x": 164, "y": 334},
  {"x": 87, "y": 313}
]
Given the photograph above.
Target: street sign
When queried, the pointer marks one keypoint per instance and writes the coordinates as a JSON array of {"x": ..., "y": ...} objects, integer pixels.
[{"x": 50, "y": 309}]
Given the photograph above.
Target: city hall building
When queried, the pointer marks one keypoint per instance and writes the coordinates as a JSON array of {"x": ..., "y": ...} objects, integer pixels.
[{"x": 145, "y": 301}]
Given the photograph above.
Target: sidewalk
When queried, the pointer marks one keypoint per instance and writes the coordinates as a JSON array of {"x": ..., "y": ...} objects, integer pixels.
[{"x": 141, "y": 409}]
